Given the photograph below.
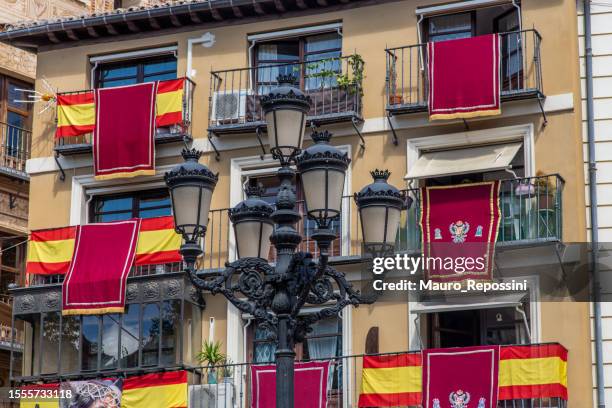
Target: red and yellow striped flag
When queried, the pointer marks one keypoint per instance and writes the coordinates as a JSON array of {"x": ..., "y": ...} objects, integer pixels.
[
  {"x": 169, "y": 102},
  {"x": 76, "y": 114},
  {"x": 391, "y": 380},
  {"x": 525, "y": 372},
  {"x": 50, "y": 251},
  {"x": 535, "y": 371},
  {"x": 158, "y": 390}
]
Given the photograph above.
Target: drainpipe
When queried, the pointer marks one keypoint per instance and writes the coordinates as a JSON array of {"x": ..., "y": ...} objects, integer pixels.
[
  {"x": 207, "y": 40},
  {"x": 588, "y": 48}
]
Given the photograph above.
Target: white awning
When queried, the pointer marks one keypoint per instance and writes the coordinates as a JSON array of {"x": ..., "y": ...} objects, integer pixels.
[
  {"x": 458, "y": 6},
  {"x": 468, "y": 303},
  {"x": 464, "y": 160}
]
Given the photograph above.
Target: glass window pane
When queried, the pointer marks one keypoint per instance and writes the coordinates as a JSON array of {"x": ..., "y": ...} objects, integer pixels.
[
  {"x": 263, "y": 350},
  {"x": 171, "y": 313},
  {"x": 114, "y": 204},
  {"x": 110, "y": 341},
  {"x": 280, "y": 51},
  {"x": 50, "y": 342},
  {"x": 150, "y": 334},
  {"x": 159, "y": 212},
  {"x": 450, "y": 23},
  {"x": 71, "y": 331},
  {"x": 119, "y": 72},
  {"x": 15, "y": 133},
  {"x": 118, "y": 82},
  {"x": 159, "y": 77},
  {"x": 90, "y": 345},
  {"x": 155, "y": 201},
  {"x": 160, "y": 66},
  {"x": 130, "y": 333},
  {"x": 323, "y": 42},
  {"x": 15, "y": 94}
]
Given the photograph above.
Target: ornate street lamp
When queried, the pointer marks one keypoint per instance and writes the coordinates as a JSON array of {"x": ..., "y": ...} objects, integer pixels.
[
  {"x": 380, "y": 205},
  {"x": 275, "y": 295},
  {"x": 322, "y": 168},
  {"x": 252, "y": 225},
  {"x": 285, "y": 110}
]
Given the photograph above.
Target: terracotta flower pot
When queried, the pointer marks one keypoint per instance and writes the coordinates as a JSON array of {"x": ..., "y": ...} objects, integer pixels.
[{"x": 395, "y": 99}]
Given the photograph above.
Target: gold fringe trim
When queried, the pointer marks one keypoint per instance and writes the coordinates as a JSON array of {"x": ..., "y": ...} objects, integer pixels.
[
  {"x": 125, "y": 174},
  {"x": 103, "y": 310},
  {"x": 464, "y": 115}
]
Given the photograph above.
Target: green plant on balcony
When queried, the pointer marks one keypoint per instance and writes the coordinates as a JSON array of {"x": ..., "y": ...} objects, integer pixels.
[
  {"x": 211, "y": 357},
  {"x": 395, "y": 97},
  {"x": 546, "y": 191},
  {"x": 351, "y": 82},
  {"x": 226, "y": 370}
]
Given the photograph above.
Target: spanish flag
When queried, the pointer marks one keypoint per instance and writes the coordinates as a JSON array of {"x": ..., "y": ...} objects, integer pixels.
[
  {"x": 169, "y": 102},
  {"x": 40, "y": 396},
  {"x": 50, "y": 251},
  {"x": 391, "y": 380},
  {"x": 525, "y": 372},
  {"x": 76, "y": 114},
  {"x": 158, "y": 390}
]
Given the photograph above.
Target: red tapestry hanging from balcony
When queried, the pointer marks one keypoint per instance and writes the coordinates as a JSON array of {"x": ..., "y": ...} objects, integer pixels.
[
  {"x": 465, "y": 377},
  {"x": 459, "y": 225},
  {"x": 124, "y": 136},
  {"x": 103, "y": 256},
  {"x": 311, "y": 383},
  {"x": 464, "y": 77}
]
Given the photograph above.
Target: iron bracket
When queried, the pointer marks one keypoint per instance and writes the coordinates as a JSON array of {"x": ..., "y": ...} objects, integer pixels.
[
  {"x": 465, "y": 124},
  {"x": 258, "y": 132},
  {"x": 541, "y": 104},
  {"x": 395, "y": 140},
  {"x": 62, "y": 175},
  {"x": 217, "y": 154},
  {"x": 355, "y": 121}
]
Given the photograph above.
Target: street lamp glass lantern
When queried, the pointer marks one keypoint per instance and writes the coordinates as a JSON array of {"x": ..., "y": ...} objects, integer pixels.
[
  {"x": 285, "y": 109},
  {"x": 252, "y": 225},
  {"x": 380, "y": 205},
  {"x": 322, "y": 168},
  {"x": 191, "y": 186}
]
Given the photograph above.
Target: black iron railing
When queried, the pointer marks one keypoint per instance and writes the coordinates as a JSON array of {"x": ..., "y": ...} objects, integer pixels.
[
  {"x": 15, "y": 145},
  {"x": 82, "y": 143},
  {"x": 520, "y": 72},
  {"x": 333, "y": 84}
]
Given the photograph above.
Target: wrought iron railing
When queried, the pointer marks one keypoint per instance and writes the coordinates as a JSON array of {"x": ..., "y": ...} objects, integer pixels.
[
  {"x": 530, "y": 213},
  {"x": 15, "y": 145},
  {"x": 333, "y": 84},
  {"x": 82, "y": 143},
  {"x": 226, "y": 386},
  {"x": 520, "y": 71}
]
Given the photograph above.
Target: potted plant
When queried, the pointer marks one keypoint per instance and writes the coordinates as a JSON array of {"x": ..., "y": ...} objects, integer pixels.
[
  {"x": 226, "y": 370},
  {"x": 395, "y": 98},
  {"x": 211, "y": 356},
  {"x": 545, "y": 191}
]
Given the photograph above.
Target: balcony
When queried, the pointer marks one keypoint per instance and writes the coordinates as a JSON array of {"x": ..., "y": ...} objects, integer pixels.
[
  {"x": 530, "y": 210},
  {"x": 14, "y": 150},
  {"x": 334, "y": 85},
  {"x": 81, "y": 144},
  {"x": 520, "y": 70}
]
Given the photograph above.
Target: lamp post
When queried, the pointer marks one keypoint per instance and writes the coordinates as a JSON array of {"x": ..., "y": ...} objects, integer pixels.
[{"x": 274, "y": 295}]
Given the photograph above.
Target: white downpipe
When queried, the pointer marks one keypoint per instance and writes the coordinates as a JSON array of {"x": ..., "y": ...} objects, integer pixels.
[{"x": 207, "y": 40}]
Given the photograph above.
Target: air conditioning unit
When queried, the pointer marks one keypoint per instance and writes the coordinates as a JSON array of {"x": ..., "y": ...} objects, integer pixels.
[{"x": 229, "y": 106}]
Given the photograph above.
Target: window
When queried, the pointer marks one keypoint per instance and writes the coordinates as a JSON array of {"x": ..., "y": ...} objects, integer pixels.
[
  {"x": 318, "y": 53},
  {"x": 136, "y": 71},
  {"x": 15, "y": 117},
  {"x": 141, "y": 204}
]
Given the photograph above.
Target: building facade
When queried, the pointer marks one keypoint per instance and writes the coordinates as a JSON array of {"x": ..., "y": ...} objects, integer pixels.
[{"x": 231, "y": 53}]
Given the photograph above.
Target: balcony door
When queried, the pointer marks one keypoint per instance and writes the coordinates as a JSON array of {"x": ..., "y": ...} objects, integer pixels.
[
  {"x": 481, "y": 327},
  {"x": 313, "y": 60},
  {"x": 15, "y": 123}
]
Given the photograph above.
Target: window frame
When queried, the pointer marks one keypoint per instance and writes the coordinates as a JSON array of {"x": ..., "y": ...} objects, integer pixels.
[
  {"x": 140, "y": 64},
  {"x": 302, "y": 55},
  {"x": 137, "y": 197}
]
